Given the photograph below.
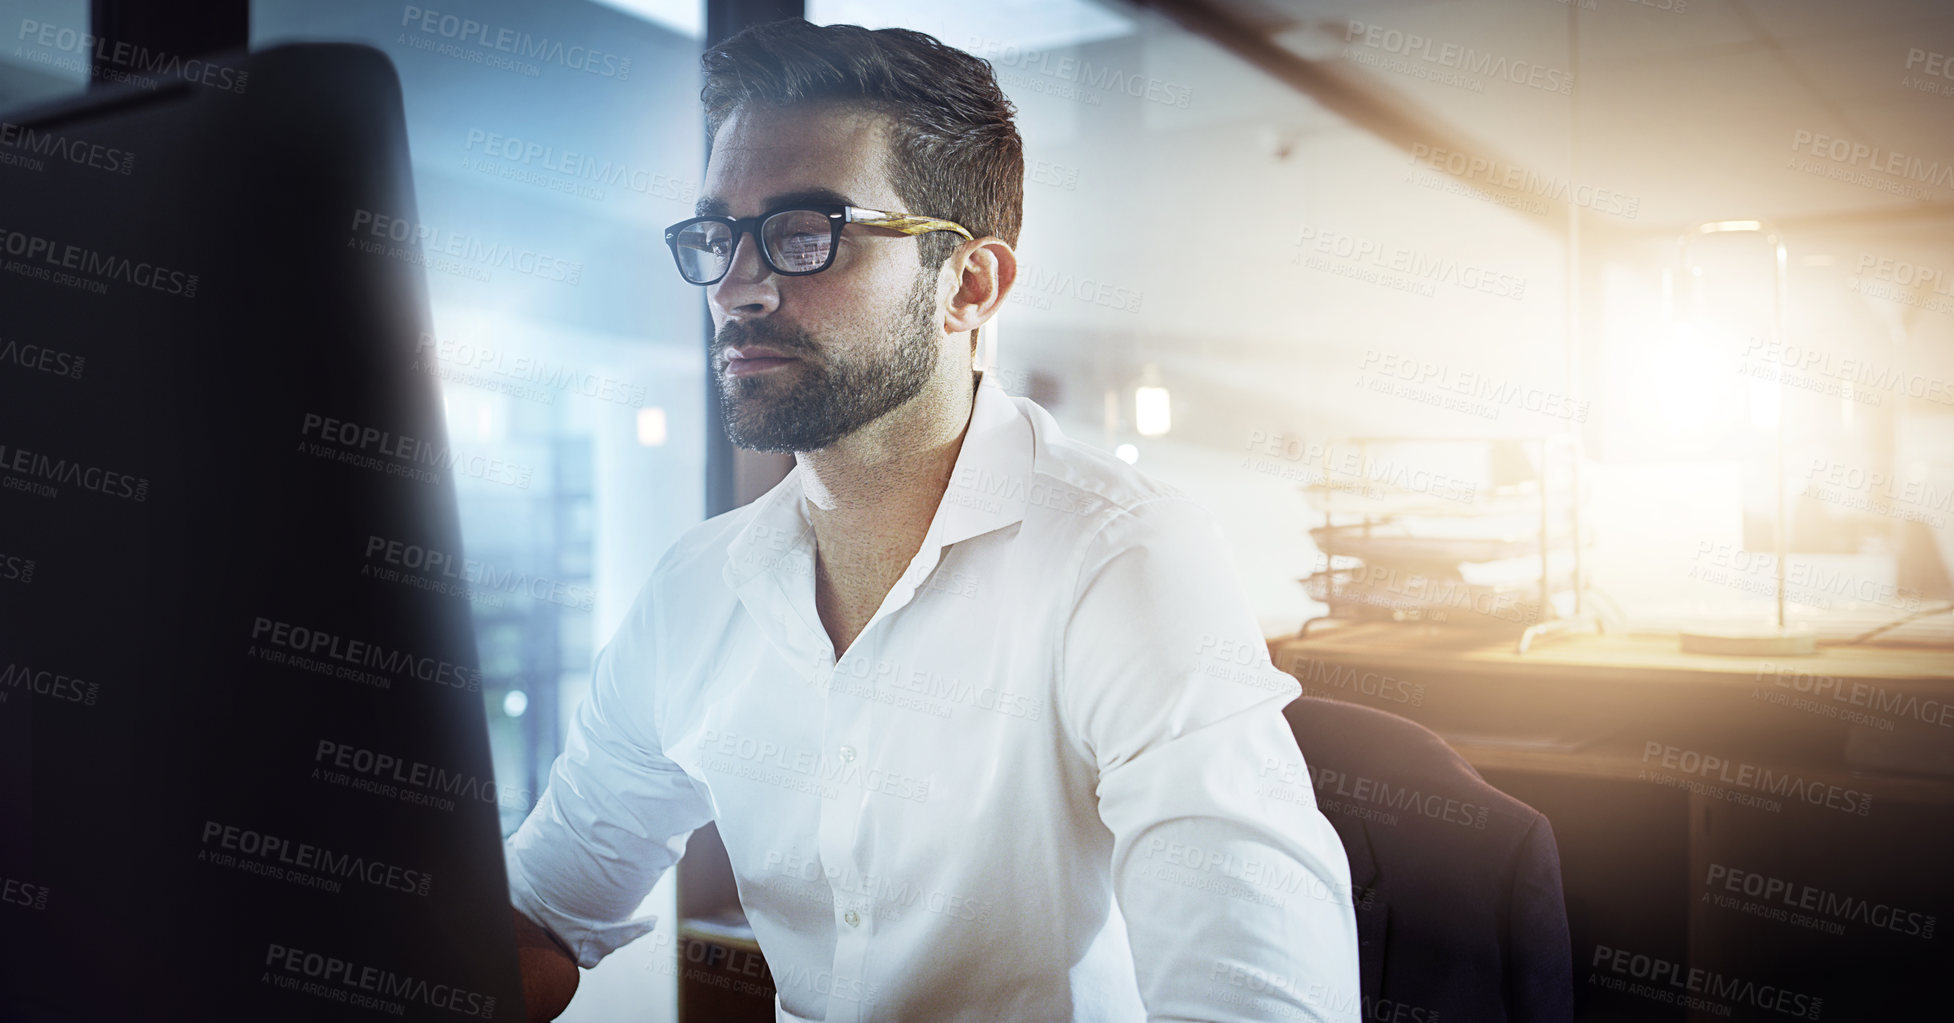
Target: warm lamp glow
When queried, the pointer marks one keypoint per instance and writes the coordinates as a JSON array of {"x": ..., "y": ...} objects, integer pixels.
[
  {"x": 651, "y": 426},
  {"x": 1151, "y": 416},
  {"x": 1764, "y": 402},
  {"x": 1692, "y": 380}
]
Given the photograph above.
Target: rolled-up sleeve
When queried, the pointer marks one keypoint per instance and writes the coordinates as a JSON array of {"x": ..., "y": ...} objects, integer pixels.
[
  {"x": 616, "y": 811},
  {"x": 1234, "y": 888}
]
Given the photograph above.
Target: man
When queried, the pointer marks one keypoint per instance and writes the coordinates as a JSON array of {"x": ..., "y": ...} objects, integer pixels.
[{"x": 982, "y": 717}]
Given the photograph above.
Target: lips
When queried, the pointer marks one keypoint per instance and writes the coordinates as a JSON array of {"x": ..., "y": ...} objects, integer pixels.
[
  {"x": 755, "y": 359},
  {"x": 754, "y": 352}
]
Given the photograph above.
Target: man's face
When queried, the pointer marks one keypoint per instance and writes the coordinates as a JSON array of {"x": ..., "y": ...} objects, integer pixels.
[{"x": 861, "y": 337}]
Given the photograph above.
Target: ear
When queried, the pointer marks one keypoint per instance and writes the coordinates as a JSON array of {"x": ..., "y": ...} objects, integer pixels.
[{"x": 985, "y": 268}]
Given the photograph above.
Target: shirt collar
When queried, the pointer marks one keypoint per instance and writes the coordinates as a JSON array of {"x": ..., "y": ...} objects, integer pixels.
[{"x": 987, "y": 491}]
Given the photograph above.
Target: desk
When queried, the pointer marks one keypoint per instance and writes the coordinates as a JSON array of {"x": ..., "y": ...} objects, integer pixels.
[
  {"x": 723, "y": 975},
  {"x": 1588, "y": 705},
  {"x": 1667, "y": 775}
]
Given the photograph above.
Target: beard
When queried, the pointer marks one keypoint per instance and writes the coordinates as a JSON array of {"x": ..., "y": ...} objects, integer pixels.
[{"x": 810, "y": 405}]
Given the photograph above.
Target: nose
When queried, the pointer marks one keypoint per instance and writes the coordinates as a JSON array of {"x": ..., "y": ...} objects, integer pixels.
[{"x": 750, "y": 287}]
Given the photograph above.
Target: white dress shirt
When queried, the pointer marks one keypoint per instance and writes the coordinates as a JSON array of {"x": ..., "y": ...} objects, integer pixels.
[{"x": 1050, "y": 779}]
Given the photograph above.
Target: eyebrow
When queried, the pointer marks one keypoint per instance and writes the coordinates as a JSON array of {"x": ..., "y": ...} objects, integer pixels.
[{"x": 714, "y": 206}]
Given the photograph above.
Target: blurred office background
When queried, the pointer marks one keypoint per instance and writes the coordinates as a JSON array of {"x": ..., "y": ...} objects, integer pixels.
[{"x": 1256, "y": 234}]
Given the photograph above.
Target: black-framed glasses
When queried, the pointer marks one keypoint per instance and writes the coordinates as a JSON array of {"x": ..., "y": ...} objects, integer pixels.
[{"x": 794, "y": 241}]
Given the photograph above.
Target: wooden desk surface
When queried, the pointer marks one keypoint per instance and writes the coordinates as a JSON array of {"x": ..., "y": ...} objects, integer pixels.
[
  {"x": 730, "y": 930},
  {"x": 1588, "y": 706},
  {"x": 1642, "y": 660}
]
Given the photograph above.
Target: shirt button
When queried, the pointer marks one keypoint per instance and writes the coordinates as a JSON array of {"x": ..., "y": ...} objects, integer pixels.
[
  {"x": 854, "y": 919},
  {"x": 848, "y": 753}
]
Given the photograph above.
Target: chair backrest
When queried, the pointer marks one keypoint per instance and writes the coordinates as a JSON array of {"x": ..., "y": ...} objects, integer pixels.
[
  {"x": 1459, "y": 908},
  {"x": 1342, "y": 734}
]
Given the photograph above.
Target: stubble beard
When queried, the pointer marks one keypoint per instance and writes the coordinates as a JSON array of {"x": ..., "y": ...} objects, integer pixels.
[{"x": 816, "y": 403}]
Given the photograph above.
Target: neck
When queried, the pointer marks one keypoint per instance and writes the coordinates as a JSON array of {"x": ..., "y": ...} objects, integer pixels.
[{"x": 881, "y": 484}]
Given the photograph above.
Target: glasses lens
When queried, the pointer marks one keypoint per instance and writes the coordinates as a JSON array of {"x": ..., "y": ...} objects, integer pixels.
[
  {"x": 798, "y": 241},
  {"x": 704, "y": 249}
]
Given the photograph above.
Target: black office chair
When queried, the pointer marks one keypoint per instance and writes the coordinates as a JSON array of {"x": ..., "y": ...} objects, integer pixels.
[{"x": 1458, "y": 887}]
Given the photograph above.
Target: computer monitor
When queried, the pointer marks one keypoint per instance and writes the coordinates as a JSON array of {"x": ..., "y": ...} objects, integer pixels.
[{"x": 244, "y": 762}]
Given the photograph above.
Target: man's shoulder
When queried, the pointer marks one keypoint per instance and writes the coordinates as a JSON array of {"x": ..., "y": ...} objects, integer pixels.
[
  {"x": 700, "y": 552},
  {"x": 1087, "y": 486},
  {"x": 686, "y": 589}
]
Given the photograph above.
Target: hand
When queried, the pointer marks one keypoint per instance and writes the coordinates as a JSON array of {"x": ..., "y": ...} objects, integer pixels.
[{"x": 549, "y": 971}]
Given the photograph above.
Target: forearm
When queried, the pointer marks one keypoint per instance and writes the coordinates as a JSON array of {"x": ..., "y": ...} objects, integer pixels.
[
  {"x": 1237, "y": 899},
  {"x": 549, "y": 971}
]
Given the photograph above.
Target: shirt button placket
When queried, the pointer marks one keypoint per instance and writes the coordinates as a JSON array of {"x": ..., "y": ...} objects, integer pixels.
[{"x": 847, "y": 713}]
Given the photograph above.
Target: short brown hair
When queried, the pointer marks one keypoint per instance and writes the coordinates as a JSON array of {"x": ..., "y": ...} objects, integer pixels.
[{"x": 955, "y": 151}]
